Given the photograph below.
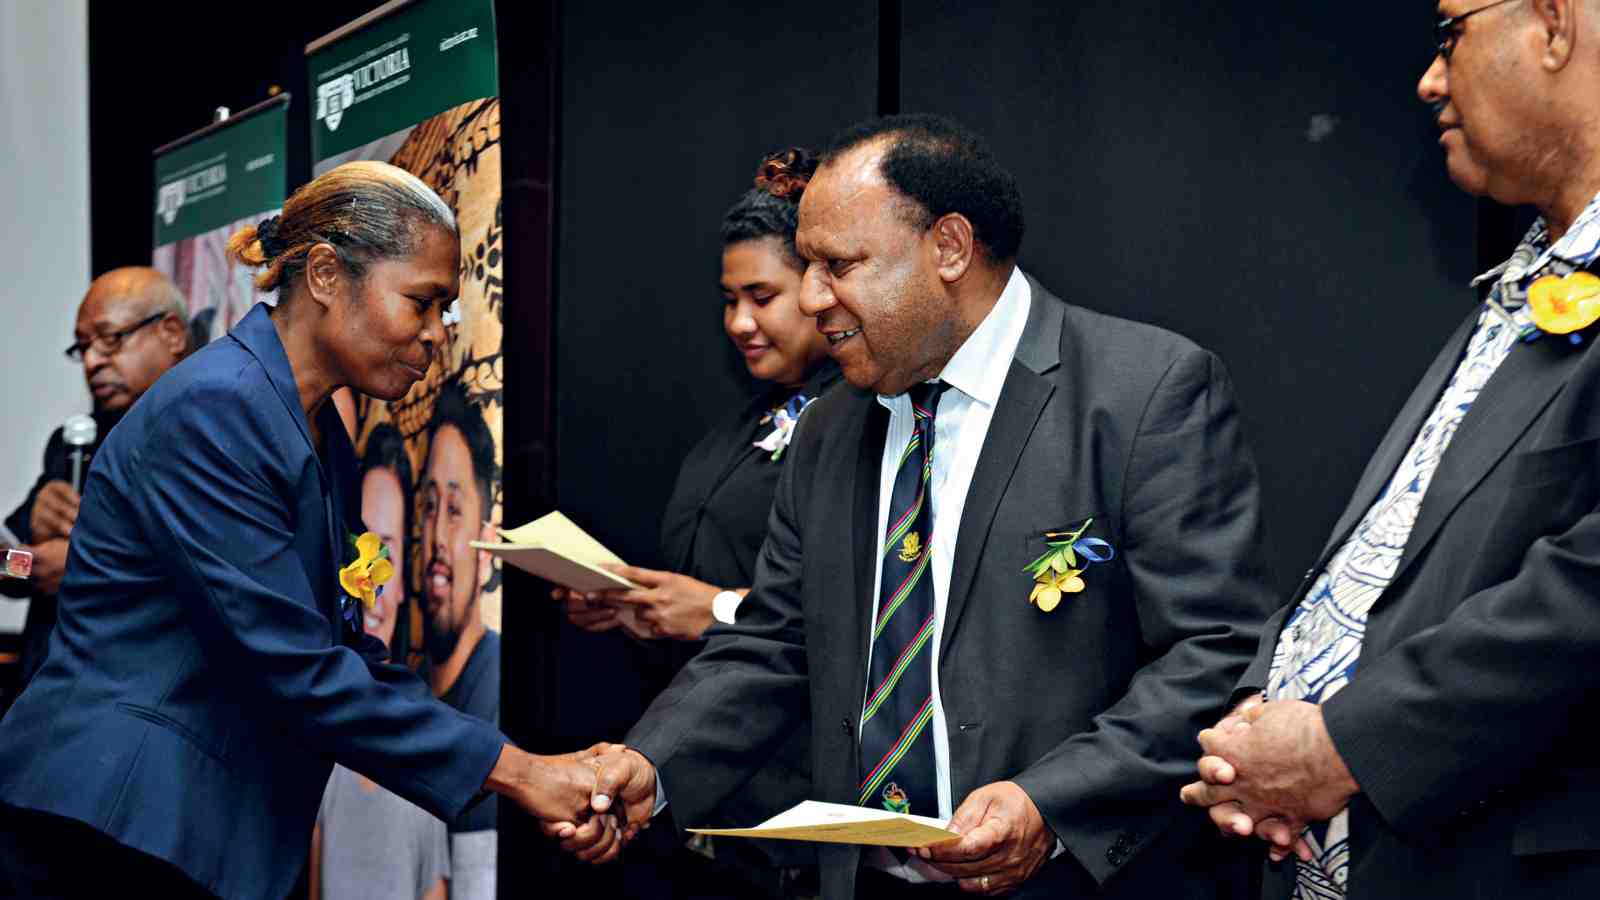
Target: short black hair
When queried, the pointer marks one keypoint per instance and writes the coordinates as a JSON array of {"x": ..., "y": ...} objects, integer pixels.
[
  {"x": 771, "y": 209},
  {"x": 386, "y": 449},
  {"x": 452, "y": 408},
  {"x": 944, "y": 168}
]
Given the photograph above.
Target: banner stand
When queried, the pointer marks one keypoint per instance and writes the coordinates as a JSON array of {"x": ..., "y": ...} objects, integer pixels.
[{"x": 209, "y": 183}]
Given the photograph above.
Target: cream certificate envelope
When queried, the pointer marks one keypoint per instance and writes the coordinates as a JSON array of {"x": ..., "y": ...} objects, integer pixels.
[
  {"x": 837, "y": 823},
  {"x": 555, "y": 549}
]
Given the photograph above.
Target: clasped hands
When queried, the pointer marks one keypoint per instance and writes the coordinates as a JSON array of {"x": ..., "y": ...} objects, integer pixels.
[{"x": 1270, "y": 769}]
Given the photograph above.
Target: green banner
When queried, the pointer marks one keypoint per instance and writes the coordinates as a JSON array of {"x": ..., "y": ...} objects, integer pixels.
[
  {"x": 419, "y": 61},
  {"x": 224, "y": 174}
]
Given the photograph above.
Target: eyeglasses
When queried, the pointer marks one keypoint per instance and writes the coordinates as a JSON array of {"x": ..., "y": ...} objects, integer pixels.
[
  {"x": 1447, "y": 30},
  {"x": 109, "y": 344}
]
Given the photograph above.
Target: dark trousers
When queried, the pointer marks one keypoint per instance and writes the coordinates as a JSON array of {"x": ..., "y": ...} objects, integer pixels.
[
  {"x": 44, "y": 856},
  {"x": 876, "y": 884}
]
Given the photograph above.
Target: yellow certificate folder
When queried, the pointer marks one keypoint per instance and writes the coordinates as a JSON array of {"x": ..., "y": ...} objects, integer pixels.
[
  {"x": 555, "y": 549},
  {"x": 837, "y": 823}
]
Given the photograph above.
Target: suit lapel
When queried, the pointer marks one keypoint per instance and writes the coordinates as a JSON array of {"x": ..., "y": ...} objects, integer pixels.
[
  {"x": 1022, "y": 400},
  {"x": 1524, "y": 385},
  {"x": 863, "y": 489},
  {"x": 342, "y": 498},
  {"x": 1398, "y": 439},
  {"x": 259, "y": 336}
]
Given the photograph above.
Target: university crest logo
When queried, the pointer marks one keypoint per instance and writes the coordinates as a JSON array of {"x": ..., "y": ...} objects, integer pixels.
[
  {"x": 333, "y": 98},
  {"x": 170, "y": 200}
]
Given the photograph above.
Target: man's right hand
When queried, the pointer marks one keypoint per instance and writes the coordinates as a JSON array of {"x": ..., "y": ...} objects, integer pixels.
[
  {"x": 626, "y": 778},
  {"x": 55, "y": 511},
  {"x": 49, "y": 564}
]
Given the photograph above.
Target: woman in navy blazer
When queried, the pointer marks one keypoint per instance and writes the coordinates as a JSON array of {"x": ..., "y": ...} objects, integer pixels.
[{"x": 208, "y": 670}]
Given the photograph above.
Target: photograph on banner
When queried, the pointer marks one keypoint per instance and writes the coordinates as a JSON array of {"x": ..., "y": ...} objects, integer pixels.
[
  {"x": 208, "y": 186},
  {"x": 417, "y": 88}
]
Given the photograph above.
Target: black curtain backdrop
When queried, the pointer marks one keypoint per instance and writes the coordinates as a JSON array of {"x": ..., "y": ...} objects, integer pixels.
[{"x": 1261, "y": 179}]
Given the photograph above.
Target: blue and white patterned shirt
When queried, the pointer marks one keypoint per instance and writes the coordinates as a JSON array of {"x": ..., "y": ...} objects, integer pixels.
[{"x": 1320, "y": 644}]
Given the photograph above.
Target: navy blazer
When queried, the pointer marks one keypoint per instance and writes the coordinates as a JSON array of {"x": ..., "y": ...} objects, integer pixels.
[{"x": 199, "y": 684}]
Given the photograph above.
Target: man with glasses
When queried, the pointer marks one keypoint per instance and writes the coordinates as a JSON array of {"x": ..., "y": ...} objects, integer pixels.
[
  {"x": 132, "y": 327},
  {"x": 1427, "y": 692}
]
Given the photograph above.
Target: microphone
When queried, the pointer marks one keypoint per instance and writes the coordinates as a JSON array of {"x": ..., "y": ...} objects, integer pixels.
[{"x": 78, "y": 432}]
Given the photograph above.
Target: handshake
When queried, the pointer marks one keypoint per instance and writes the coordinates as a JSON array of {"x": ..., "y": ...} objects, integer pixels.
[{"x": 594, "y": 801}]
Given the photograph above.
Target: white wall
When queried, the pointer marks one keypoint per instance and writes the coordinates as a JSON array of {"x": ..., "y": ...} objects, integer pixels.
[{"x": 44, "y": 221}]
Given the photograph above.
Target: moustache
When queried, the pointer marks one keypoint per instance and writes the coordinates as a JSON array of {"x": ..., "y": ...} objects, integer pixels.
[{"x": 1437, "y": 109}]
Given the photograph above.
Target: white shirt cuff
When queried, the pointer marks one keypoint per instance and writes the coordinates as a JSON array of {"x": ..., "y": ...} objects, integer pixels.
[{"x": 725, "y": 606}]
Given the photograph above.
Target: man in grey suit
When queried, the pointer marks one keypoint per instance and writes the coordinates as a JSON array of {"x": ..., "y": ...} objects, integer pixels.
[
  {"x": 1011, "y": 566},
  {"x": 1430, "y": 687}
]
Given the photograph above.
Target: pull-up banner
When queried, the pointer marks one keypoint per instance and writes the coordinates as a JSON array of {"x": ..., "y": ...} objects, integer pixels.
[
  {"x": 414, "y": 83},
  {"x": 208, "y": 185}
]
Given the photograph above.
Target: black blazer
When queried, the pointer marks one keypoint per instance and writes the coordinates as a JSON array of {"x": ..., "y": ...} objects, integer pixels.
[
  {"x": 1093, "y": 708},
  {"x": 716, "y": 519},
  {"x": 712, "y": 530},
  {"x": 1466, "y": 723},
  {"x": 56, "y": 466}
]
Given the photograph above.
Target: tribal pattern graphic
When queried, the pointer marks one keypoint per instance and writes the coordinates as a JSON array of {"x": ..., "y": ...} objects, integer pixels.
[{"x": 458, "y": 154}]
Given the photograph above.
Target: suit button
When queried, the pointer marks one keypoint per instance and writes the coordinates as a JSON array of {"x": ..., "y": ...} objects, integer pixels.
[
  {"x": 1116, "y": 856},
  {"x": 845, "y": 724}
]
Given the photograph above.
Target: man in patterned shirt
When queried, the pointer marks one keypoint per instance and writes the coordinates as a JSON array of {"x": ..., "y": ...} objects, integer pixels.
[{"x": 1422, "y": 734}]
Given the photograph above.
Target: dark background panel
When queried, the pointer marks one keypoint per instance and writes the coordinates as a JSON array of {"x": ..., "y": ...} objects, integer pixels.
[
  {"x": 1260, "y": 178},
  {"x": 665, "y": 113},
  {"x": 156, "y": 75}
]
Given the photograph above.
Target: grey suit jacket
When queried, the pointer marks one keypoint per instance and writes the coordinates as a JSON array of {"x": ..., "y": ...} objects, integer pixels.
[
  {"x": 1092, "y": 709},
  {"x": 1466, "y": 722}
]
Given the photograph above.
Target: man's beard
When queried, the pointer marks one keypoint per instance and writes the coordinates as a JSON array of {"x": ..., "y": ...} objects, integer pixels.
[
  {"x": 439, "y": 639},
  {"x": 439, "y": 644}
]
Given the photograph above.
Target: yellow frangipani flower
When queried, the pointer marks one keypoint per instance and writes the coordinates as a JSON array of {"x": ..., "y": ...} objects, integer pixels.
[
  {"x": 363, "y": 578},
  {"x": 1050, "y": 585},
  {"x": 1564, "y": 305}
]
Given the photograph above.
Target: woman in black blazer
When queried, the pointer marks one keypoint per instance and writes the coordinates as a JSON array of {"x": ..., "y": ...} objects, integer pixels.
[{"x": 716, "y": 519}]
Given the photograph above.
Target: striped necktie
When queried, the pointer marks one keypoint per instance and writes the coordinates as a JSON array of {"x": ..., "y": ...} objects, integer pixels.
[{"x": 897, "y": 768}]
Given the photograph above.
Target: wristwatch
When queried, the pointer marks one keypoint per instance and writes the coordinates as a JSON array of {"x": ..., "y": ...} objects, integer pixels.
[{"x": 724, "y": 605}]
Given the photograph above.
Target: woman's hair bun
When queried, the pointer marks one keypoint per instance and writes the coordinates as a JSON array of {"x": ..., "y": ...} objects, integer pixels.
[{"x": 786, "y": 173}]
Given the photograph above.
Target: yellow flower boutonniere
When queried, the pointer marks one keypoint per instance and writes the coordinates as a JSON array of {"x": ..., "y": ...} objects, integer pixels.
[
  {"x": 1059, "y": 571},
  {"x": 364, "y": 578},
  {"x": 1564, "y": 305}
]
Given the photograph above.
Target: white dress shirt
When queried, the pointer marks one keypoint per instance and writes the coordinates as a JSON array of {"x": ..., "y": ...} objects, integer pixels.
[{"x": 975, "y": 375}]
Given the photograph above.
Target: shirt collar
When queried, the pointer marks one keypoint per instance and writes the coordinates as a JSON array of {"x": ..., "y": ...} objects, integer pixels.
[
  {"x": 1578, "y": 248},
  {"x": 974, "y": 370}
]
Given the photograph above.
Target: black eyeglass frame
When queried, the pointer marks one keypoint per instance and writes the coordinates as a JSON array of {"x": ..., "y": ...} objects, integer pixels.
[
  {"x": 109, "y": 344},
  {"x": 1446, "y": 29}
]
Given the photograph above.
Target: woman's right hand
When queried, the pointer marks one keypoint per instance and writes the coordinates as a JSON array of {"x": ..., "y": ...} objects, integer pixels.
[{"x": 588, "y": 610}]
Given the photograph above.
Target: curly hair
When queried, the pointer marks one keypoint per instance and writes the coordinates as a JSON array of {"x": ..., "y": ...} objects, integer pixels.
[
  {"x": 365, "y": 210},
  {"x": 772, "y": 207},
  {"x": 943, "y": 168}
]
